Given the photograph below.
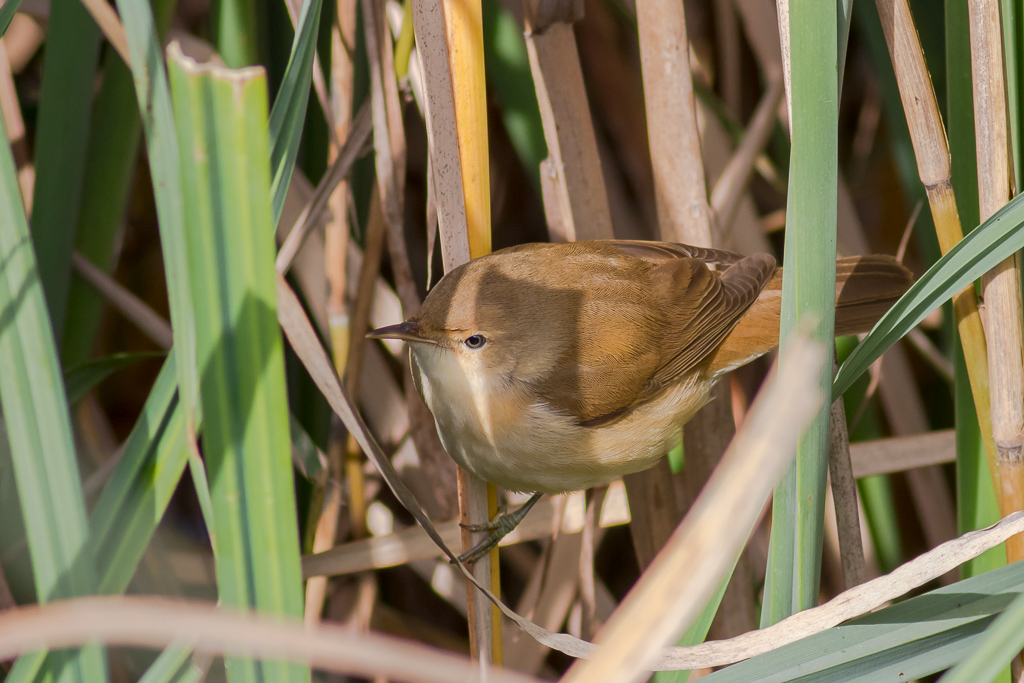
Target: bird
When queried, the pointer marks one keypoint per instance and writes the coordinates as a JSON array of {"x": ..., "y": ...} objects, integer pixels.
[{"x": 556, "y": 367}]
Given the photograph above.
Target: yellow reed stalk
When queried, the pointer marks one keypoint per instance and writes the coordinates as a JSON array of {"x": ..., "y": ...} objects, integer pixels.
[
  {"x": 464, "y": 21},
  {"x": 449, "y": 36}
]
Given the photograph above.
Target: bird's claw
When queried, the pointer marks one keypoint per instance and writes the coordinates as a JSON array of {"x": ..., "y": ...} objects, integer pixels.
[
  {"x": 496, "y": 529},
  {"x": 499, "y": 521}
]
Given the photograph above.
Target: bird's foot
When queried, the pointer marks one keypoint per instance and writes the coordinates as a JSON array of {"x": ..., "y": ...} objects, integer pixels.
[{"x": 497, "y": 529}]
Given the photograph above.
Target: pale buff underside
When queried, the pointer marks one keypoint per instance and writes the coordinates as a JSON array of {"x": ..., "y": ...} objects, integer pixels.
[{"x": 491, "y": 429}]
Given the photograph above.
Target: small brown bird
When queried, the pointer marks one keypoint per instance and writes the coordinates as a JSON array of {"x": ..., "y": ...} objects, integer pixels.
[{"x": 557, "y": 367}]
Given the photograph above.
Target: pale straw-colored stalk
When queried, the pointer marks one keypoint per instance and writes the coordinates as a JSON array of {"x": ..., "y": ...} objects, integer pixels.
[
  {"x": 1000, "y": 286},
  {"x": 575, "y": 198},
  {"x": 932, "y": 152}
]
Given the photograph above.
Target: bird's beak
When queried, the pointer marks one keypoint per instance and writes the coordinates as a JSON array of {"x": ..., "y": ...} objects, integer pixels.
[{"x": 408, "y": 331}]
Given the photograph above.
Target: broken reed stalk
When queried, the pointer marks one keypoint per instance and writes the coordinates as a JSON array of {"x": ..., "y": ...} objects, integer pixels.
[
  {"x": 1001, "y": 285},
  {"x": 575, "y": 198},
  {"x": 932, "y": 152},
  {"x": 679, "y": 187}
]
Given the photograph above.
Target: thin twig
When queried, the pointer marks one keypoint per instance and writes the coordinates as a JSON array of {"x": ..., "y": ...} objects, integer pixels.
[
  {"x": 110, "y": 24},
  {"x": 130, "y": 306},
  {"x": 352, "y": 149}
]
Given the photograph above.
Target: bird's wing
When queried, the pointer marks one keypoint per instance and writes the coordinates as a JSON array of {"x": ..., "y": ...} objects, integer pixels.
[
  {"x": 700, "y": 309},
  {"x": 660, "y": 252},
  {"x": 643, "y": 335}
]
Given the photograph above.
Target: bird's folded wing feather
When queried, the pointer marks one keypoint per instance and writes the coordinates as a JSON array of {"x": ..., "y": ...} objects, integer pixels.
[
  {"x": 660, "y": 252},
  {"x": 636, "y": 344},
  {"x": 692, "y": 334}
]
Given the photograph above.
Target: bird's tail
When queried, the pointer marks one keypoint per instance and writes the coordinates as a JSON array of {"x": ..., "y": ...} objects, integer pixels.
[{"x": 866, "y": 286}]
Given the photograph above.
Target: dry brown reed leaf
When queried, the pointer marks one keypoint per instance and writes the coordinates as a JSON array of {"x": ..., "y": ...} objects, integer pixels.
[
  {"x": 849, "y": 604},
  {"x": 158, "y": 622},
  {"x": 308, "y": 267},
  {"x": 547, "y": 599}
]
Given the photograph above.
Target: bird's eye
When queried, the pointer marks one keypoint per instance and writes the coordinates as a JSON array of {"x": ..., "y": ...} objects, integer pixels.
[{"x": 475, "y": 341}]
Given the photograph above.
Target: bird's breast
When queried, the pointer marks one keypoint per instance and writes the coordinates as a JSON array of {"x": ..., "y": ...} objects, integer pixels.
[{"x": 504, "y": 434}]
